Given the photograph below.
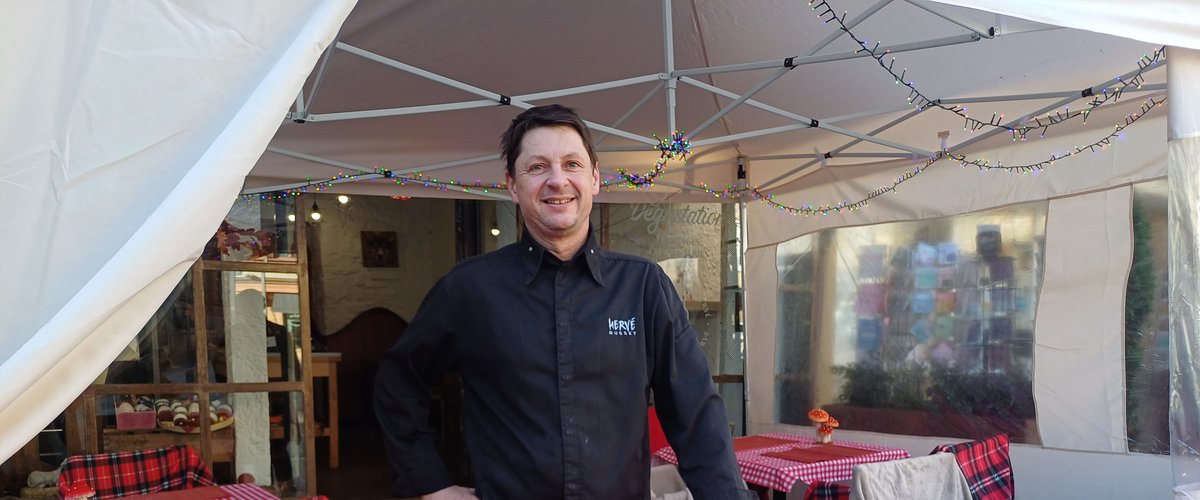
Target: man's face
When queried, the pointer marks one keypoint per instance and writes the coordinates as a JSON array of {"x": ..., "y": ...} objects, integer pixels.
[{"x": 553, "y": 181}]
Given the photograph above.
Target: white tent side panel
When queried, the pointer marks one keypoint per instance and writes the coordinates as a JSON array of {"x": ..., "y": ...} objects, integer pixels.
[
  {"x": 130, "y": 129},
  {"x": 1095, "y": 179},
  {"x": 761, "y": 318},
  {"x": 1183, "y": 156},
  {"x": 1080, "y": 325}
]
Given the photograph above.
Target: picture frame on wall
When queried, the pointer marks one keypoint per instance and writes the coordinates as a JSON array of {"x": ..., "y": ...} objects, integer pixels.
[{"x": 379, "y": 249}]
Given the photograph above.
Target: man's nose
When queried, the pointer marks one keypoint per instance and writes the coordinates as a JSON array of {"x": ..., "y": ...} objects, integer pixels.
[{"x": 558, "y": 176}]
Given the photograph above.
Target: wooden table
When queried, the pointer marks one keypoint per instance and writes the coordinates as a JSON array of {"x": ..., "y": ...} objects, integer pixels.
[
  {"x": 780, "y": 475},
  {"x": 117, "y": 440},
  {"x": 324, "y": 364}
]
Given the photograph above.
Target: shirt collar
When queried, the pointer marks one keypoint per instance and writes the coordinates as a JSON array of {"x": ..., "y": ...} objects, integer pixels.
[{"x": 535, "y": 252}]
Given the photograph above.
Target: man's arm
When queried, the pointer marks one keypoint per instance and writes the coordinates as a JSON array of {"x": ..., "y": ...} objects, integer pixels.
[
  {"x": 402, "y": 398},
  {"x": 691, "y": 411}
]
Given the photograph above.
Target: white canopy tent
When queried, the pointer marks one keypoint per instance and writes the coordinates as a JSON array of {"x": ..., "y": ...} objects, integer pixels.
[{"x": 132, "y": 142}]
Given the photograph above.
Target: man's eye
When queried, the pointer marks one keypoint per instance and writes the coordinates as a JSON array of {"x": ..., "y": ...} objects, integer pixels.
[
  {"x": 574, "y": 165},
  {"x": 536, "y": 167}
]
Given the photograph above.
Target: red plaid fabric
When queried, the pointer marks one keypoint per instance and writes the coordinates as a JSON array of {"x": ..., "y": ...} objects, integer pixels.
[
  {"x": 123, "y": 473},
  {"x": 825, "y": 490},
  {"x": 781, "y": 474},
  {"x": 986, "y": 466}
]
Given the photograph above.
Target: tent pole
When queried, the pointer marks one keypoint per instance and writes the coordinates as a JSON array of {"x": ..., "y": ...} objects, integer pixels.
[
  {"x": 669, "y": 60},
  {"x": 841, "y": 56},
  {"x": 740, "y": 305},
  {"x": 317, "y": 159},
  {"x": 429, "y": 75},
  {"x": 738, "y": 102},
  {"x": 641, "y": 102},
  {"x": 408, "y": 110},
  {"x": 358, "y": 168},
  {"x": 301, "y": 109},
  {"x": 849, "y": 24},
  {"x": 811, "y": 166},
  {"x": 435, "y": 108},
  {"x": 805, "y": 119}
]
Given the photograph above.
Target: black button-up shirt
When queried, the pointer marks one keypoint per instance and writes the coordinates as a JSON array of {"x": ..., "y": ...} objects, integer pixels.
[{"x": 558, "y": 361}]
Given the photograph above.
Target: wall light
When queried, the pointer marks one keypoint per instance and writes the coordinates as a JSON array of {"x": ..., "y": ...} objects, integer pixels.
[
  {"x": 495, "y": 232},
  {"x": 316, "y": 213}
]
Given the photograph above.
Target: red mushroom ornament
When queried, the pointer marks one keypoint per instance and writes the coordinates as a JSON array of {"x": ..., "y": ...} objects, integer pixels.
[{"x": 78, "y": 490}]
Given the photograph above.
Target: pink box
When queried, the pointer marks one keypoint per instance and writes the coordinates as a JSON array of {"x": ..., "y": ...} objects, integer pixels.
[{"x": 134, "y": 420}]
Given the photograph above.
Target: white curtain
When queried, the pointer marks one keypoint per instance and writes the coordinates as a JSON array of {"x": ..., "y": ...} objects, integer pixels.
[
  {"x": 1164, "y": 22},
  {"x": 1080, "y": 325},
  {"x": 129, "y": 127}
]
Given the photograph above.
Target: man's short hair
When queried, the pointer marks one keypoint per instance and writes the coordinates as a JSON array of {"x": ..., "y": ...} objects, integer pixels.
[{"x": 541, "y": 116}]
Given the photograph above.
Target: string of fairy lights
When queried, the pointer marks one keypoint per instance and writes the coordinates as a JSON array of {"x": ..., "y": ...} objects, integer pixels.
[
  {"x": 962, "y": 160},
  {"x": 920, "y": 100},
  {"x": 416, "y": 179},
  {"x": 677, "y": 146}
]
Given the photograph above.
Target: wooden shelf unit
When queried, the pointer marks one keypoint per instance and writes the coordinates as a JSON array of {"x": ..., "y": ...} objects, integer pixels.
[{"x": 86, "y": 432}]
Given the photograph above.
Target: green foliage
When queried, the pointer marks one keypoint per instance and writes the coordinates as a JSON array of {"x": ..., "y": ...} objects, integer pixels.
[
  {"x": 866, "y": 385},
  {"x": 870, "y": 385},
  {"x": 1139, "y": 301},
  {"x": 913, "y": 387},
  {"x": 1008, "y": 394},
  {"x": 908, "y": 388}
]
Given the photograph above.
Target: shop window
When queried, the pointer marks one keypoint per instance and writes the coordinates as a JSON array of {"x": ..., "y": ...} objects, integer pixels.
[
  {"x": 253, "y": 321},
  {"x": 919, "y": 328},
  {"x": 256, "y": 231},
  {"x": 219, "y": 365},
  {"x": 698, "y": 246}
]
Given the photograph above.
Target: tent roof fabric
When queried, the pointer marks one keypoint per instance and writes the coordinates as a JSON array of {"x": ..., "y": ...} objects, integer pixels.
[{"x": 416, "y": 88}]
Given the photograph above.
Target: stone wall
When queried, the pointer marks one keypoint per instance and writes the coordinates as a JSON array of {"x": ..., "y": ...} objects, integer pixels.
[{"x": 424, "y": 248}]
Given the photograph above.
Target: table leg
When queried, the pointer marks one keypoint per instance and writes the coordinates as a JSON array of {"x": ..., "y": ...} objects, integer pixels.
[
  {"x": 778, "y": 495},
  {"x": 333, "y": 416}
]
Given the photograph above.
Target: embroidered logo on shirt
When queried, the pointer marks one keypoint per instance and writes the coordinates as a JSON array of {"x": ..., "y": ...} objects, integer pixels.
[{"x": 622, "y": 326}]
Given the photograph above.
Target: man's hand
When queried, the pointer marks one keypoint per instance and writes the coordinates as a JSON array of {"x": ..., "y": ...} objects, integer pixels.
[{"x": 452, "y": 493}]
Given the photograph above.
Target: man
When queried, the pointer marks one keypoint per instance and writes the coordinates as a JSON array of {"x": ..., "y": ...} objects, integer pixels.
[{"x": 560, "y": 344}]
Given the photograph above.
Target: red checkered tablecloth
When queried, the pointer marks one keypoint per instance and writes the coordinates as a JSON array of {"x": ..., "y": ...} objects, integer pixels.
[
  {"x": 780, "y": 474},
  {"x": 240, "y": 491}
]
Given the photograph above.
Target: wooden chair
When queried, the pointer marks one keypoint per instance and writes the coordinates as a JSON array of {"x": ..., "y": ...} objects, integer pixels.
[
  {"x": 931, "y": 477},
  {"x": 362, "y": 343}
]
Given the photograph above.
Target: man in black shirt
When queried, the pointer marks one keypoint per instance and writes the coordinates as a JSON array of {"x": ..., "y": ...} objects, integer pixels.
[{"x": 560, "y": 344}]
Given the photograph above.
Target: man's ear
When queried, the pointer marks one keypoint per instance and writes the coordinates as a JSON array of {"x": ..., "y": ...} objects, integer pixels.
[
  {"x": 512, "y": 187},
  {"x": 596, "y": 179}
]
